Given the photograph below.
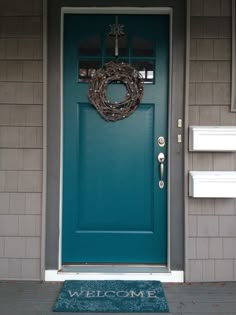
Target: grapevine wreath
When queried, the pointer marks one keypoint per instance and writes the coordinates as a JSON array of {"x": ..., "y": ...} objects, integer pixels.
[{"x": 113, "y": 72}]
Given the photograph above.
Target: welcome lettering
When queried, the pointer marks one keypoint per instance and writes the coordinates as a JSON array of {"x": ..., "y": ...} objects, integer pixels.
[
  {"x": 75, "y": 293},
  {"x": 112, "y": 293}
]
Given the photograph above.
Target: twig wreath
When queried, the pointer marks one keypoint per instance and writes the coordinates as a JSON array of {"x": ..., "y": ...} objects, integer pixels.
[{"x": 113, "y": 72}]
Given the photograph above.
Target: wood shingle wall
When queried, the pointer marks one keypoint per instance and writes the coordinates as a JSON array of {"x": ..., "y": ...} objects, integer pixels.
[
  {"x": 21, "y": 99},
  {"x": 212, "y": 222}
]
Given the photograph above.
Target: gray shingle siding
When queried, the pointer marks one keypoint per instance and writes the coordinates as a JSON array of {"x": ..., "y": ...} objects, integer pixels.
[
  {"x": 212, "y": 222},
  {"x": 21, "y": 107}
]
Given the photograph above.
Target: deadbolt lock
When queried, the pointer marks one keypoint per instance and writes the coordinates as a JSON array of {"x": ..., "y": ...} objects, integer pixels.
[{"x": 161, "y": 141}]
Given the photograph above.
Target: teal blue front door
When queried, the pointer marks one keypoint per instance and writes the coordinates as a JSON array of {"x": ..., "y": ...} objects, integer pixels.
[{"x": 113, "y": 209}]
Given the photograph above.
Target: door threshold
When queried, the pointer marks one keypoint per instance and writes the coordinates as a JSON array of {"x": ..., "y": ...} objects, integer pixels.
[
  {"x": 163, "y": 275},
  {"x": 115, "y": 268}
]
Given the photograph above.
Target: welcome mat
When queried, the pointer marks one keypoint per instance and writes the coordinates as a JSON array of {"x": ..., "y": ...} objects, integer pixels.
[{"x": 111, "y": 297}]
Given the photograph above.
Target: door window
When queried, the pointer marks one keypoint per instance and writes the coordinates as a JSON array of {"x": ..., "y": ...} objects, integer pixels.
[{"x": 97, "y": 50}]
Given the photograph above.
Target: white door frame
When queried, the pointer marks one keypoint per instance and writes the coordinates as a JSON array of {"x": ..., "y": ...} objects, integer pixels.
[{"x": 154, "y": 273}]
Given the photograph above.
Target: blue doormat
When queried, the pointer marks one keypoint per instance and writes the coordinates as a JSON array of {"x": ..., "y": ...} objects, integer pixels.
[{"x": 111, "y": 297}]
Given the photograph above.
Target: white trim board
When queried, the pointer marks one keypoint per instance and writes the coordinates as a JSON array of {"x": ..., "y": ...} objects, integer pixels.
[
  {"x": 212, "y": 138},
  {"x": 233, "y": 93},
  {"x": 212, "y": 184},
  {"x": 173, "y": 276},
  {"x": 114, "y": 10},
  {"x": 117, "y": 10}
]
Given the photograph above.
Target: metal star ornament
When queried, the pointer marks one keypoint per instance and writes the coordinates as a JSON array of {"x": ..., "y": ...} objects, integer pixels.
[{"x": 116, "y": 31}]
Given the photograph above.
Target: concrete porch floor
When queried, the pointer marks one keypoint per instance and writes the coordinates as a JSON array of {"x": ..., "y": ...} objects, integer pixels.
[{"x": 19, "y": 297}]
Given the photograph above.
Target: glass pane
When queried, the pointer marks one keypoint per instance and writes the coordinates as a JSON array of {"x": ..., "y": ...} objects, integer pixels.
[
  {"x": 146, "y": 68},
  {"x": 87, "y": 68},
  {"x": 122, "y": 46},
  {"x": 142, "y": 47},
  {"x": 90, "y": 46},
  {"x": 125, "y": 60}
]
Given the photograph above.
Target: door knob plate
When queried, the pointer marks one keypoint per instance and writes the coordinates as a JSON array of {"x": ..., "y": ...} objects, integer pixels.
[
  {"x": 161, "y": 184},
  {"x": 161, "y": 157}
]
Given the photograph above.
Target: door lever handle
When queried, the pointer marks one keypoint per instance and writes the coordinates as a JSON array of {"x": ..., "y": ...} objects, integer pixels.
[{"x": 161, "y": 159}]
